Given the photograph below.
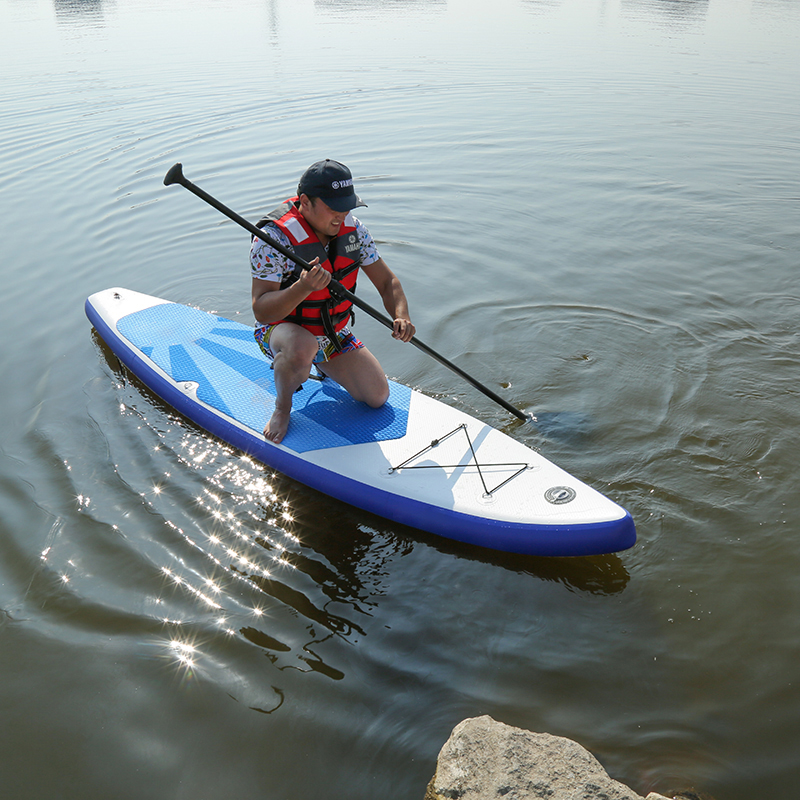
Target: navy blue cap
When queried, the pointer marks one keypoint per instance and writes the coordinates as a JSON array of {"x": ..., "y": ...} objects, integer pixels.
[{"x": 333, "y": 183}]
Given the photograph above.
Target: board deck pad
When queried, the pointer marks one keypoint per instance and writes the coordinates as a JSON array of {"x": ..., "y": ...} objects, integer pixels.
[{"x": 232, "y": 375}]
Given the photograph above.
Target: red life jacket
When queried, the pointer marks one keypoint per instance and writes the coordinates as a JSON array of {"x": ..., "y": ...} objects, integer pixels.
[{"x": 320, "y": 313}]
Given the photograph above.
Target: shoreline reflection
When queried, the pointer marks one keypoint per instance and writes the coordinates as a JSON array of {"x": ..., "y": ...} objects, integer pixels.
[{"x": 80, "y": 11}]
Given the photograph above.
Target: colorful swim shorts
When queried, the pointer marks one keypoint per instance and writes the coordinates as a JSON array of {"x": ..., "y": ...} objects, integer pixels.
[{"x": 347, "y": 342}]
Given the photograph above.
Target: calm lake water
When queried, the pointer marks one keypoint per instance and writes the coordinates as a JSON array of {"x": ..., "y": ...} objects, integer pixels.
[{"x": 594, "y": 207}]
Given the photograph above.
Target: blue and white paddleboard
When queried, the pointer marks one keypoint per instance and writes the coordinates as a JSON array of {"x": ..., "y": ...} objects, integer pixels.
[{"x": 415, "y": 460}]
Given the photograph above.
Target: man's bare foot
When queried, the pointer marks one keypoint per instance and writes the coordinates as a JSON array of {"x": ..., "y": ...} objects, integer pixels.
[{"x": 276, "y": 428}]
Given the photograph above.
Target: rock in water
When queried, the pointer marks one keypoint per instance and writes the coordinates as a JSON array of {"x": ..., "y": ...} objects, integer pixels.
[{"x": 488, "y": 760}]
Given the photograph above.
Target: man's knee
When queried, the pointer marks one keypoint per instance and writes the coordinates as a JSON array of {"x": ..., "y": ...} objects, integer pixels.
[
  {"x": 296, "y": 352},
  {"x": 378, "y": 398},
  {"x": 295, "y": 358},
  {"x": 376, "y": 392}
]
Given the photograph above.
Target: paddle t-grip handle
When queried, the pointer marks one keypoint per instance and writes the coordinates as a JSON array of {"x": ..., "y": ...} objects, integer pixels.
[{"x": 174, "y": 175}]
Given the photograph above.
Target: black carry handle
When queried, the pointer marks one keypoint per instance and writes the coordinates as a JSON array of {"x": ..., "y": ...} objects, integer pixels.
[{"x": 175, "y": 175}]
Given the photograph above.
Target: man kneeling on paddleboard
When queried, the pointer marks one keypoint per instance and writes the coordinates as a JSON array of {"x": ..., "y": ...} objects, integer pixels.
[{"x": 299, "y": 323}]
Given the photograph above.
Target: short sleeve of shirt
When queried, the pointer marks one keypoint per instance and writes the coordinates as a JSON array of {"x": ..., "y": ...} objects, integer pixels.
[
  {"x": 267, "y": 264},
  {"x": 369, "y": 251}
]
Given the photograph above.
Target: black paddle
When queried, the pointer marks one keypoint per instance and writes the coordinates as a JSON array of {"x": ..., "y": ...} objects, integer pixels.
[{"x": 175, "y": 175}]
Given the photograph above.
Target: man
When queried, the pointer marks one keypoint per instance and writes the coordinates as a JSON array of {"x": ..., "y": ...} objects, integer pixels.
[{"x": 298, "y": 322}]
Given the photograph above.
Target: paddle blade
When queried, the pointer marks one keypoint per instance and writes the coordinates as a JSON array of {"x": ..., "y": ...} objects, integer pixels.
[{"x": 566, "y": 426}]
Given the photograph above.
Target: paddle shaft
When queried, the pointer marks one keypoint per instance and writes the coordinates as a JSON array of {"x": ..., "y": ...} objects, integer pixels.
[{"x": 175, "y": 175}]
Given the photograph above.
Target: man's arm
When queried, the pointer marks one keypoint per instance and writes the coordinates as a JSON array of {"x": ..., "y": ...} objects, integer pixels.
[{"x": 393, "y": 296}]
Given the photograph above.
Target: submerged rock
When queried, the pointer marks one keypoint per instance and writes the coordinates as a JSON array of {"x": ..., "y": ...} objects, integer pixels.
[{"x": 487, "y": 760}]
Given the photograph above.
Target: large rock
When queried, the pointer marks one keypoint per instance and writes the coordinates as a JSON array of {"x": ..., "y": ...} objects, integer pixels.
[{"x": 487, "y": 760}]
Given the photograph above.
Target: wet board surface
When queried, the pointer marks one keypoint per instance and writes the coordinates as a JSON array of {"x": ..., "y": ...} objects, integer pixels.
[{"x": 415, "y": 460}]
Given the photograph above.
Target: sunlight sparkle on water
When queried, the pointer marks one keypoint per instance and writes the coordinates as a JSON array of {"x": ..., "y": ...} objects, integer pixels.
[
  {"x": 222, "y": 622},
  {"x": 183, "y": 652}
]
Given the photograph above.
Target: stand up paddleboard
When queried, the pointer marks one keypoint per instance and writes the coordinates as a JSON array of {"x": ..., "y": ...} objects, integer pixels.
[{"x": 416, "y": 460}]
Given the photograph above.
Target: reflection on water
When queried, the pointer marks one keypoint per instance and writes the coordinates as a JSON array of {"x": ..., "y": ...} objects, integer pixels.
[
  {"x": 349, "y": 7},
  {"x": 80, "y": 11},
  {"x": 597, "y": 575},
  {"x": 250, "y": 565},
  {"x": 669, "y": 13},
  {"x": 541, "y": 5},
  {"x": 253, "y": 545}
]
